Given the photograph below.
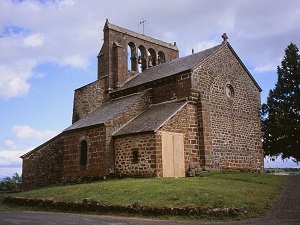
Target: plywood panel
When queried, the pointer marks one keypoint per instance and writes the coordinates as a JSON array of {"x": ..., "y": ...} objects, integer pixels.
[
  {"x": 173, "y": 154},
  {"x": 179, "y": 168},
  {"x": 167, "y": 155}
]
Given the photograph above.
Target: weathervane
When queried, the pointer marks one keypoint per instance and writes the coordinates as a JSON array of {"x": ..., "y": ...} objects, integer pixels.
[{"x": 144, "y": 24}]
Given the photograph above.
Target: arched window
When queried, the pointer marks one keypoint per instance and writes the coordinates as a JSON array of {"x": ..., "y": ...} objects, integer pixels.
[
  {"x": 83, "y": 153},
  {"x": 161, "y": 57},
  {"x": 229, "y": 91},
  {"x": 132, "y": 57}
]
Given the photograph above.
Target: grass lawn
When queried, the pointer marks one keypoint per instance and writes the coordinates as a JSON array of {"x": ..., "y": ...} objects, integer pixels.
[{"x": 255, "y": 192}]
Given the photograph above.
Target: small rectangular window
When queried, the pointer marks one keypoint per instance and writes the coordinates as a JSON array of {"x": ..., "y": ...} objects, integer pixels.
[
  {"x": 83, "y": 153},
  {"x": 135, "y": 156}
]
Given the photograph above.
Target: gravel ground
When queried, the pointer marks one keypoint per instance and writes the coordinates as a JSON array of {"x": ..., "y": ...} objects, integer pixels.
[
  {"x": 287, "y": 208},
  {"x": 285, "y": 211}
]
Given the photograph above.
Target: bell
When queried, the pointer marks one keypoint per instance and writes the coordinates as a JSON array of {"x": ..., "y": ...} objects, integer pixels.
[
  {"x": 139, "y": 60},
  {"x": 150, "y": 62}
]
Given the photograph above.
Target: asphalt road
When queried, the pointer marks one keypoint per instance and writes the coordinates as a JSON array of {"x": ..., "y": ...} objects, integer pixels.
[{"x": 286, "y": 211}]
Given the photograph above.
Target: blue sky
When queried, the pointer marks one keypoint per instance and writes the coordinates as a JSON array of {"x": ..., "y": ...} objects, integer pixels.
[{"x": 49, "y": 48}]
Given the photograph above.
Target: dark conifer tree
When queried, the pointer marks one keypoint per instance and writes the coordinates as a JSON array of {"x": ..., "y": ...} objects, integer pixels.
[{"x": 281, "y": 114}]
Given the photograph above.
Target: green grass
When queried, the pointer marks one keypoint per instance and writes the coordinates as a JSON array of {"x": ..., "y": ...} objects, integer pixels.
[{"x": 255, "y": 192}]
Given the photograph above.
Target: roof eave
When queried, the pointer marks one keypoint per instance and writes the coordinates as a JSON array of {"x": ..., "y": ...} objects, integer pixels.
[
  {"x": 40, "y": 146},
  {"x": 207, "y": 58},
  {"x": 159, "y": 126},
  {"x": 149, "y": 82},
  {"x": 244, "y": 67}
]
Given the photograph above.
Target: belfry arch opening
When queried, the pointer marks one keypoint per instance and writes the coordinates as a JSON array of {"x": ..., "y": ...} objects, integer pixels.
[
  {"x": 152, "y": 58},
  {"x": 142, "y": 58},
  {"x": 161, "y": 57},
  {"x": 132, "y": 62}
]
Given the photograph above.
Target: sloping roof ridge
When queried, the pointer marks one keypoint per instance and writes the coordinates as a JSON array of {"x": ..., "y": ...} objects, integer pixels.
[
  {"x": 217, "y": 49},
  {"x": 129, "y": 121},
  {"x": 181, "y": 63},
  {"x": 40, "y": 146},
  {"x": 173, "y": 114},
  {"x": 153, "y": 105},
  {"x": 126, "y": 96},
  {"x": 87, "y": 120},
  {"x": 243, "y": 65},
  {"x": 170, "y": 101},
  {"x": 87, "y": 85},
  {"x": 140, "y": 36}
]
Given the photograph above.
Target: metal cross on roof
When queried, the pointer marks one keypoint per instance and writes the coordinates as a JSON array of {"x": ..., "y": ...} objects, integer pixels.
[{"x": 225, "y": 37}]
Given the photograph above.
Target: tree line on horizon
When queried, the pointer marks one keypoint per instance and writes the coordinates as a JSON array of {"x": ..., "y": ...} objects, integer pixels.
[{"x": 11, "y": 183}]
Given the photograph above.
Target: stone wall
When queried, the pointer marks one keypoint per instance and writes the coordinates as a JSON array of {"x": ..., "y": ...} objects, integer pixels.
[
  {"x": 229, "y": 114},
  {"x": 149, "y": 148},
  {"x": 123, "y": 117},
  {"x": 88, "y": 98},
  {"x": 183, "y": 85},
  {"x": 100, "y": 148},
  {"x": 97, "y": 156},
  {"x": 164, "y": 90},
  {"x": 144, "y": 165},
  {"x": 43, "y": 166}
]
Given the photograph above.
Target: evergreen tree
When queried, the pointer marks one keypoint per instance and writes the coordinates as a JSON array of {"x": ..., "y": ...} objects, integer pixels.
[{"x": 281, "y": 114}]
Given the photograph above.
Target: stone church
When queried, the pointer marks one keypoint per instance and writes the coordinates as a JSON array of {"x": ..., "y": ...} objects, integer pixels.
[{"x": 153, "y": 114}]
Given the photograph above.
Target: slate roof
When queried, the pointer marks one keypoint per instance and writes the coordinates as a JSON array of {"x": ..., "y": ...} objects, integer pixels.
[
  {"x": 140, "y": 36},
  {"x": 170, "y": 68},
  {"x": 179, "y": 65},
  {"x": 105, "y": 112},
  {"x": 152, "y": 118}
]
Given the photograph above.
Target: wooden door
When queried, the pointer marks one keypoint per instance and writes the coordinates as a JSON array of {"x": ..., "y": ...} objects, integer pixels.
[{"x": 173, "y": 154}]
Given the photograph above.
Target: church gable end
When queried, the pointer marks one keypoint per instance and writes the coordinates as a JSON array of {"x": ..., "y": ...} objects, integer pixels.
[{"x": 229, "y": 110}]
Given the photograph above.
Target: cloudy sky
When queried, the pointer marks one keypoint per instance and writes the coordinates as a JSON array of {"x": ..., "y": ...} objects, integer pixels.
[{"x": 49, "y": 48}]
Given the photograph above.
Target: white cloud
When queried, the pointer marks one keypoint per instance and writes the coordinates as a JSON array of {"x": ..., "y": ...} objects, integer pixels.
[
  {"x": 10, "y": 144},
  {"x": 77, "y": 61},
  {"x": 10, "y": 158},
  {"x": 10, "y": 161},
  {"x": 41, "y": 32},
  {"x": 13, "y": 82},
  {"x": 62, "y": 3},
  {"x": 34, "y": 40},
  {"x": 265, "y": 68},
  {"x": 25, "y": 131}
]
